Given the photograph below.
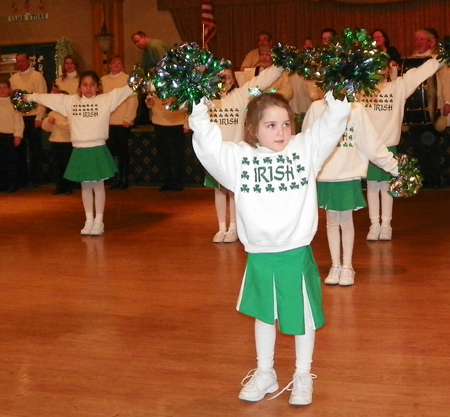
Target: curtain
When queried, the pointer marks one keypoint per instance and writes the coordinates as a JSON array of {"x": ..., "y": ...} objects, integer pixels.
[{"x": 290, "y": 22}]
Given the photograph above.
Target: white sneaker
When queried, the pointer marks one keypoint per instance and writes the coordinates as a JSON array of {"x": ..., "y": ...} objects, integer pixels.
[
  {"x": 386, "y": 233},
  {"x": 98, "y": 229},
  {"x": 301, "y": 392},
  {"x": 374, "y": 232},
  {"x": 230, "y": 236},
  {"x": 333, "y": 275},
  {"x": 347, "y": 276},
  {"x": 219, "y": 237},
  {"x": 259, "y": 383},
  {"x": 88, "y": 225}
]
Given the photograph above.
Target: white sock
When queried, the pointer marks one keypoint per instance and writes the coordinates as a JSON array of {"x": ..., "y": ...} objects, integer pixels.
[
  {"x": 304, "y": 344},
  {"x": 265, "y": 337},
  {"x": 334, "y": 236}
]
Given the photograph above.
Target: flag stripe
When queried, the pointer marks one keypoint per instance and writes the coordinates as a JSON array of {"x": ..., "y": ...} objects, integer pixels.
[{"x": 208, "y": 21}]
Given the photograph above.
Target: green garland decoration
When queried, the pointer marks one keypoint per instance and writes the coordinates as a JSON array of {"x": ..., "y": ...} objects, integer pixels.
[{"x": 62, "y": 49}]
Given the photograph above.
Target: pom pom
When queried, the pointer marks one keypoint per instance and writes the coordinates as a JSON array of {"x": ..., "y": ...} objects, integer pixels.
[
  {"x": 141, "y": 81},
  {"x": 20, "y": 105},
  {"x": 444, "y": 50},
  {"x": 409, "y": 180},
  {"x": 351, "y": 66},
  {"x": 187, "y": 74},
  {"x": 286, "y": 57}
]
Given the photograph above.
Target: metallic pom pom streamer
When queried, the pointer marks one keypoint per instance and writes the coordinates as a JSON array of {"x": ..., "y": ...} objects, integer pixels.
[
  {"x": 20, "y": 105},
  {"x": 409, "y": 180},
  {"x": 187, "y": 74},
  {"x": 444, "y": 50},
  {"x": 141, "y": 81},
  {"x": 351, "y": 66}
]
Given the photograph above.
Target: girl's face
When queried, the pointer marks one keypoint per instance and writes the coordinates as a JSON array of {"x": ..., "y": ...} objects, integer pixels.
[
  {"x": 229, "y": 79},
  {"x": 69, "y": 65},
  {"x": 88, "y": 87},
  {"x": 274, "y": 129}
]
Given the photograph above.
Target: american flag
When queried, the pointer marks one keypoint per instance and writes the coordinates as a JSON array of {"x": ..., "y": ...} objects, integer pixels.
[{"x": 208, "y": 22}]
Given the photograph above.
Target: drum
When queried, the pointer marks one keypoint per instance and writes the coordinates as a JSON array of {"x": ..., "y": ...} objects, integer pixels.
[{"x": 421, "y": 105}]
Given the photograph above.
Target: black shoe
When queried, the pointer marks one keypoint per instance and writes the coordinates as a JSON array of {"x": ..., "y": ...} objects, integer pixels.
[
  {"x": 12, "y": 189},
  {"x": 68, "y": 192},
  {"x": 178, "y": 188},
  {"x": 58, "y": 191},
  {"x": 165, "y": 188},
  {"x": 34, "y": 185}
]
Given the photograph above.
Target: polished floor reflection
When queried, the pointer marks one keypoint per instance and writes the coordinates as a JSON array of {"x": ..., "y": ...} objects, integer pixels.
[{"x": 142, "y": 322}]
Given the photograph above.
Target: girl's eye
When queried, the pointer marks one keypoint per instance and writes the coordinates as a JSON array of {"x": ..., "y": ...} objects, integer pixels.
[
  {"x": 287, "y": 124},
  {"x": 271, "y": 125}
]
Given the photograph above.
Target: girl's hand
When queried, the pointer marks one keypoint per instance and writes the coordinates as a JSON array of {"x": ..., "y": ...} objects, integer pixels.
[
  {"x": 150, "y": 102},
  {"x": 17, "y": 141},
  {"x": 52, "y": 120}
]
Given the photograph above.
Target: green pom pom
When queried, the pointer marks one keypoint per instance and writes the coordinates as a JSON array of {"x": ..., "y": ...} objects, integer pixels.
[
  {"x": 409, "y": 180},
  {"x": 444, "y": 50},
  {"x": 351, "y": 66},
  {"x": 188, "y": 73},
  {"x": 17, "y": 100}
]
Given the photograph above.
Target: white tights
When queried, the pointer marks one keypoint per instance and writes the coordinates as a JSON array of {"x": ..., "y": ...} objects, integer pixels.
[
  {"x": 220, "y": 197},
  {"x": 344, "y": 220},
  {"x": 265, "y": 337},
  {"x": 375, "y": 190},
  {"x": 93, "y": 196}
]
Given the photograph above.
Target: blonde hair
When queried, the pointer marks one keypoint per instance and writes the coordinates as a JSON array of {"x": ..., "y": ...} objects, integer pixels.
[{"x": 255, "y": 110}]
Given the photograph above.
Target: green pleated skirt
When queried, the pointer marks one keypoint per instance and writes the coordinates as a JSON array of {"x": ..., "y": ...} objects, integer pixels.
[
  {"x": 375, "y": 173},
  {"x": 340, "y": 196},
  {"x": 272, "y": 289},
  {"x": 90, "y": 164}
]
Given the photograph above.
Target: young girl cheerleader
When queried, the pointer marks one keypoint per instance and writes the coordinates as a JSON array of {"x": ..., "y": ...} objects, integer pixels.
[
  {"x": 272, "y": 175},
  {"x": 387, "y": 120},
  {"x": 91, "y": 162},
  {"x": 339, "y": 184},
  {"x": 229, "y": 113}
]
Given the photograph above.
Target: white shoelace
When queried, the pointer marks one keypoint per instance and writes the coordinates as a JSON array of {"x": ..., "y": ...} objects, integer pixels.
[{"x": 289, "y": 387}]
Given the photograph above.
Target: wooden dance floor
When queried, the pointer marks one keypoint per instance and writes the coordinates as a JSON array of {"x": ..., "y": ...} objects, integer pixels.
[{"x": 141, "y": 322}]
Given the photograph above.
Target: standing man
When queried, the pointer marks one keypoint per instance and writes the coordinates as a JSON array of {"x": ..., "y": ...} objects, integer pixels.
[
  {"x": 32, "y": 81},
  {"x": 154, "y": 49},
  {"x": 251, "y": 60}
]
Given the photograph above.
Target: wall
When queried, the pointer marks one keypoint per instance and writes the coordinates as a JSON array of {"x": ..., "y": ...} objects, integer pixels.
[{"x": 75, "y": 23}]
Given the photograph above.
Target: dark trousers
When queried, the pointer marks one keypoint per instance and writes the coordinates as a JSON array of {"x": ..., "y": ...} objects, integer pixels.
[
  {"x": 171, "y": 150},
  {"x": 8, "y": 162},
  {"x": 29, "y": 154},
  {"x": 118, "y": 146},
  {"x": 61, "y": 152}
]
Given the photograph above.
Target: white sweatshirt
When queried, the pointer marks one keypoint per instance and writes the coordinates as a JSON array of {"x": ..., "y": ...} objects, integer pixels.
[
  {"x": 60, "y": 131},
  {"x": 359, "y": 144},
  {"x": 11, "y": 121},
  {"x": 88, "y": 117},
  {"x": 386, "y": 107},
  {"x": 31, "y": 81},
  {"x": 275, "y": 192},
  {"x": 229, "y": 111},
  {"x": 126, "y": 112}
]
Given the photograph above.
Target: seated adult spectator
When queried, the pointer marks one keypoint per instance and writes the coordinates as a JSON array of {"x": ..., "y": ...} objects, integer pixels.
[
  {"x": 283, "y": 84},
  {"x": 251, "y": 60}
]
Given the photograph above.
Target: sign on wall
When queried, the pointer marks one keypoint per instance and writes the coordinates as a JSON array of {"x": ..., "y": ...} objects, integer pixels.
[{"x": 27, "y": 11}]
